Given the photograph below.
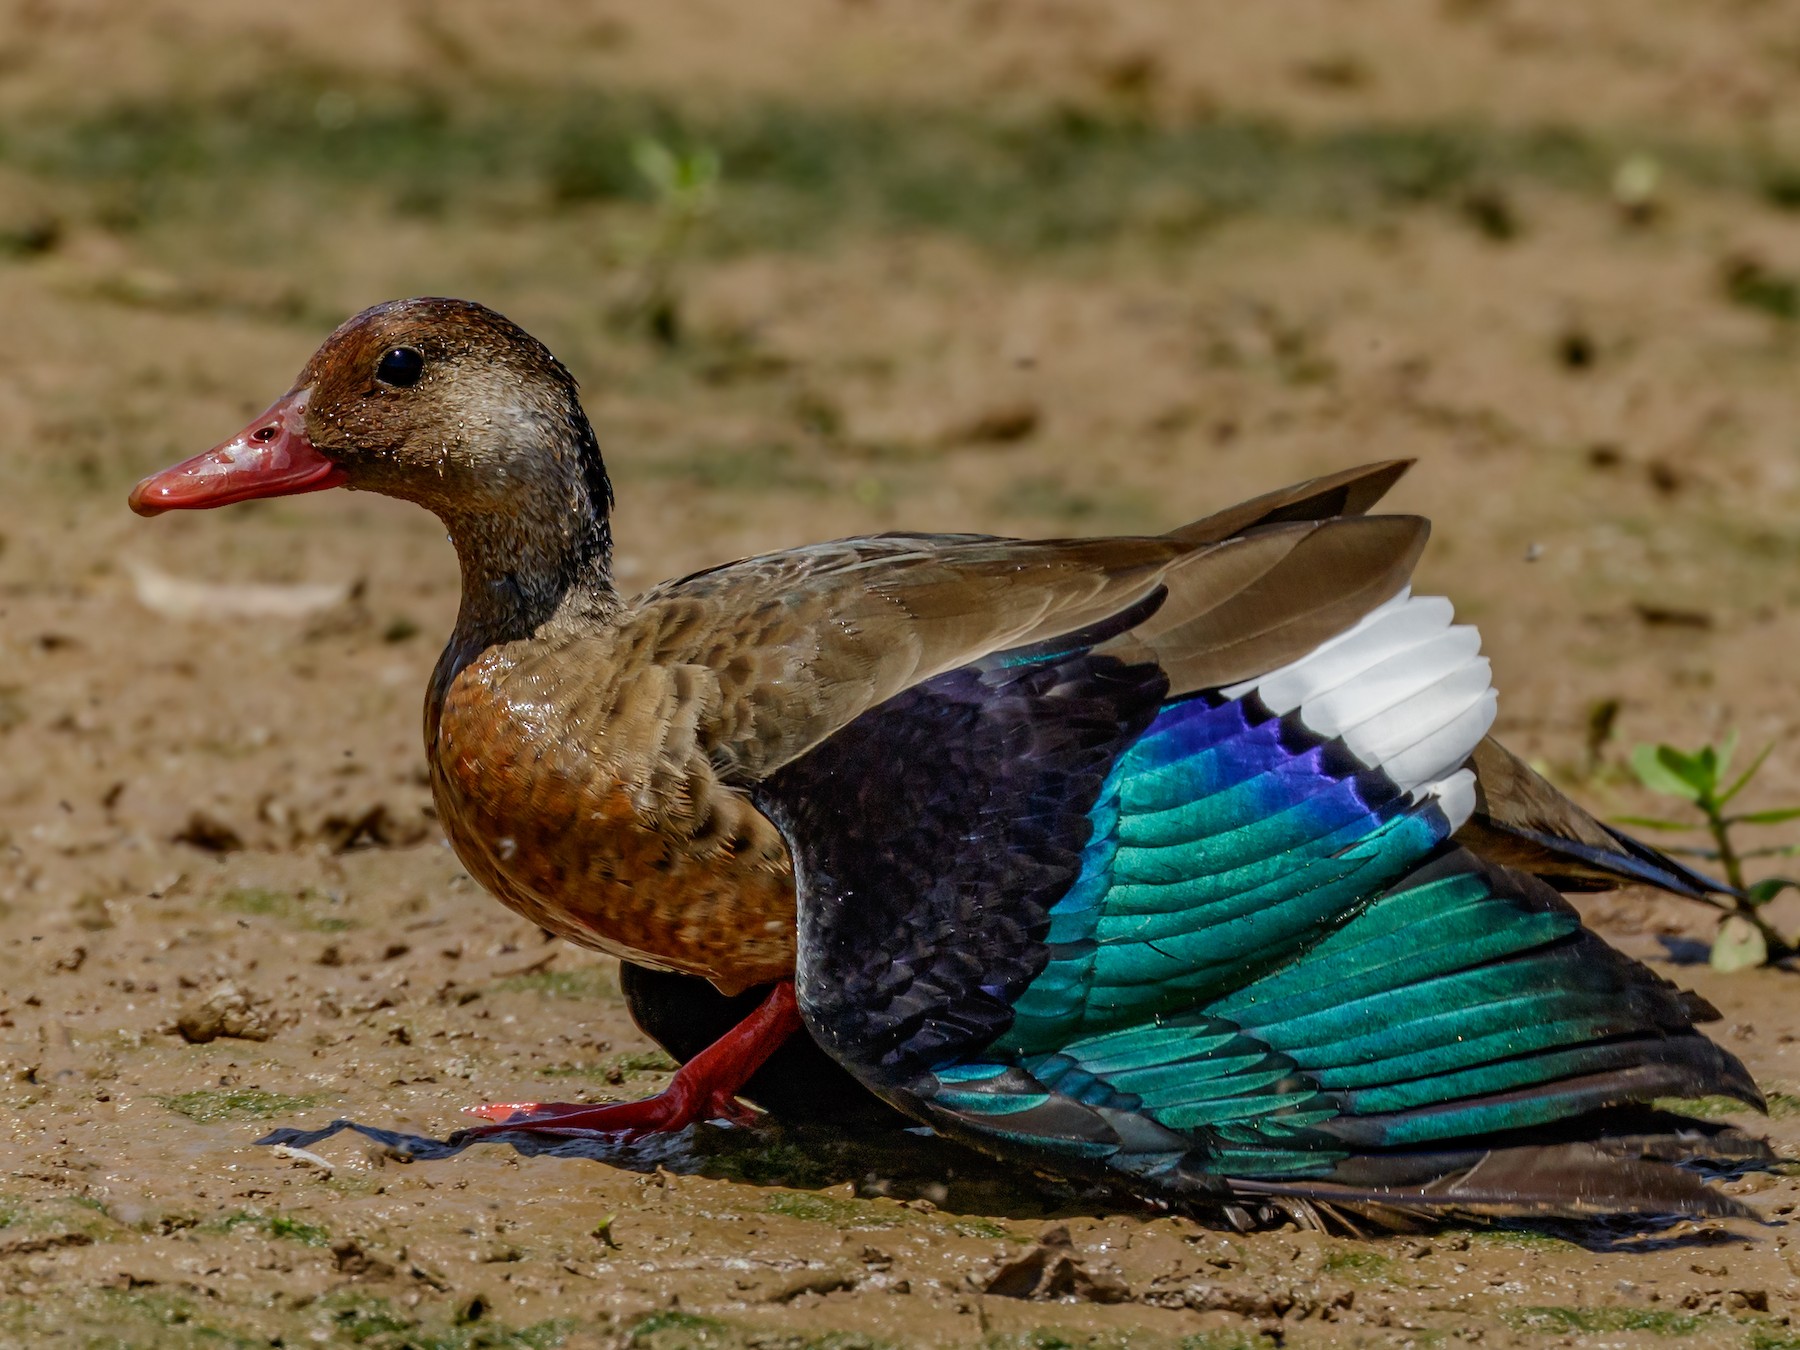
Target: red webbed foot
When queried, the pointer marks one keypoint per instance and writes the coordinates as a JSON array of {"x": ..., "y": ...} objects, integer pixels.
[{"x": 705, "y": 1088}]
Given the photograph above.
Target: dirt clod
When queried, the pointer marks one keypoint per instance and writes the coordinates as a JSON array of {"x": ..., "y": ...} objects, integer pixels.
[
  {"x": 377, "y": 827},
  {"x": 209, "y": 834},
  {"x": 1053, "y": 1270},
  {"x": 997, "y": 424},
  {"x": 358, "y": 1264},
  {"x": 226, "y": 1011},
  {"x": 810, "y": 1282}
]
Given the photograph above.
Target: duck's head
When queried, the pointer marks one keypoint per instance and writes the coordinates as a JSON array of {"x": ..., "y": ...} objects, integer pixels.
[
  {"x": 444, "y": 403},
  {"x": 441, "y": 402}
]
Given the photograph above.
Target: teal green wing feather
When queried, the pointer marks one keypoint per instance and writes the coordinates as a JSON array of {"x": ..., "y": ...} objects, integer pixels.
[{"x": 1226, "y": 945}]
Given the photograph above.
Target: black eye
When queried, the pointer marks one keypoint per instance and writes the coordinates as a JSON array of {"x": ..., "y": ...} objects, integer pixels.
[{"x": 401, "y": 368}]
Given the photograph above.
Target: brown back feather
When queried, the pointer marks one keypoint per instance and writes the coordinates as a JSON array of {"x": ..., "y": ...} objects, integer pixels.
[
  {"x": 1349, "y": 492},
  {"x": 1269, "y": 597}
]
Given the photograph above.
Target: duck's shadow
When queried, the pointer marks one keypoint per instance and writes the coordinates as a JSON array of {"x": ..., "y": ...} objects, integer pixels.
[
  {"x": 916, "y": 1165},
  {"x": 895, "y": 1163}
]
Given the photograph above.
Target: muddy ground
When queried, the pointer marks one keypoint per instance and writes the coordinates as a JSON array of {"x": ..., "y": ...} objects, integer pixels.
[{"x": 1046, "y": 267}]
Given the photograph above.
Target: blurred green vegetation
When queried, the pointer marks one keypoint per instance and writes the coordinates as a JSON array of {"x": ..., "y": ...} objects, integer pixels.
[{"x": 1059, "y": 177}]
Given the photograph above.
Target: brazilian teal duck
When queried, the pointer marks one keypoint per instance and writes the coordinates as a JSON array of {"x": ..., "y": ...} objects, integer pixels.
[{"x": 1182, "y": 861}]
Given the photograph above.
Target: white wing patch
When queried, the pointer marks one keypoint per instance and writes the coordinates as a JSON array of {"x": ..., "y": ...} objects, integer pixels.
[{"x": 1405, "y": 689}]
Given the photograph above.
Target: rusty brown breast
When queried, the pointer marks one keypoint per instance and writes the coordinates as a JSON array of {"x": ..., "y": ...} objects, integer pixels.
[{"x": 580, "y": 794}]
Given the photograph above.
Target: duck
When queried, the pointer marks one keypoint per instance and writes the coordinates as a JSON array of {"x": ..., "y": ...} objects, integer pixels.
[{"x": 1182, "y": 862}]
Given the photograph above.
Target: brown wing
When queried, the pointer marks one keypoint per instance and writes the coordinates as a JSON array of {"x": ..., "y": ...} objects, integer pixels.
[
  {"x": 1244, "y": 607},
  {"x": 1514, "y": 794},
  {"x": 791, "y": 647}
]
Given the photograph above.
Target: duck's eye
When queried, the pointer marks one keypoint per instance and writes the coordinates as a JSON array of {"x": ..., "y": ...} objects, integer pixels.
[{"x": 400, "y": 367}]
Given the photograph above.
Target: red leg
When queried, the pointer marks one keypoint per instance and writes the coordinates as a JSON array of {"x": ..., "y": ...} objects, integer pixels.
[{"x": 705, "y": 1088}]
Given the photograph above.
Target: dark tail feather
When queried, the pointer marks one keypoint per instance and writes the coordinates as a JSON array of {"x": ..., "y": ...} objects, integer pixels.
[
  {"x": 1574, "y": 1180},
  {"x": 1350, "y": 492},
  {"x": 1571, "y": 865},
  {"x": 1621, "y": 1072},
  {"x": 1522, "y": 821},
  {"x": 1666, "y": 1136},
  {"x": 1660, "y": 869}
]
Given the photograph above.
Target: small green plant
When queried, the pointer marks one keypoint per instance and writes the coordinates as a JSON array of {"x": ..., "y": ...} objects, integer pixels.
[
  {"x": 1702, "y": 778},
  {"x": 684, "y": 184}
]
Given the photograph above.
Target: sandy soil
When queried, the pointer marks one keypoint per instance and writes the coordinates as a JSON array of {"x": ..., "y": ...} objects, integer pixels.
[{"x": 228, "y": 812}]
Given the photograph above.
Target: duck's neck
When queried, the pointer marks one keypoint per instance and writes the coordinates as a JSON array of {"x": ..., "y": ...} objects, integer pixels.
[{"x": 543, "y": 564}]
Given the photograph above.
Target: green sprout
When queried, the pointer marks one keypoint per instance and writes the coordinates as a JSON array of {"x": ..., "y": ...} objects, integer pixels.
[
  {"x": 1702, "y": 778},
  {"x": 684, "y": 184}
]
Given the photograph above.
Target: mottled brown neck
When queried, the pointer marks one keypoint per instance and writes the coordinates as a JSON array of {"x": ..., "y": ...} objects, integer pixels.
[
  {"x": 541, "y": 567},
  {"x": 521, "y": 573}
]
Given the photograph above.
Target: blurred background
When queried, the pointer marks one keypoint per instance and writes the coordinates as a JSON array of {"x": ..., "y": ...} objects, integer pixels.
[{"x": 822, "y": 267}]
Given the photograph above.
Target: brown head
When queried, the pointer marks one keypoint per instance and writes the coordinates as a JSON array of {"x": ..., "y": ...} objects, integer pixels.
[{"x": 444, "y": 403}]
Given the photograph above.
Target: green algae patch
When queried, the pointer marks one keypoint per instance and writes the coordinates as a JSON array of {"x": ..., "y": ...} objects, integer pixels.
[
  {"x": 1528, "y": 1239},
  {"x": 584, "y": 982},
  {"x": 1056, "y": 1338},
  {"x": 212, "y": 1105},
  {"x": 142, "y": 1319},
  {"x": 614, "y": 1067},
  {"x": 974, "y": 1227},
  {"x": 829, "y": 1209},
  {"x": 308, "y": 909},
  {"x": 355, "y": 1318},
  {"x": 676, "y": 1330},
  {"x": 1359, "y": 1263},
  {"x": 285, "y": 1227},
  {"x": 1706, "y": 1108},
  {"x": 672, "y": 1327},
  {"x": 1562, "y": 1321},
  {"x": 72, "y": 1221}
]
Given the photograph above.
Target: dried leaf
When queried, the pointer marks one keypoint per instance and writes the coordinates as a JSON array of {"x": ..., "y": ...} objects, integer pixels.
[{"x": 1739, "y": 945}]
